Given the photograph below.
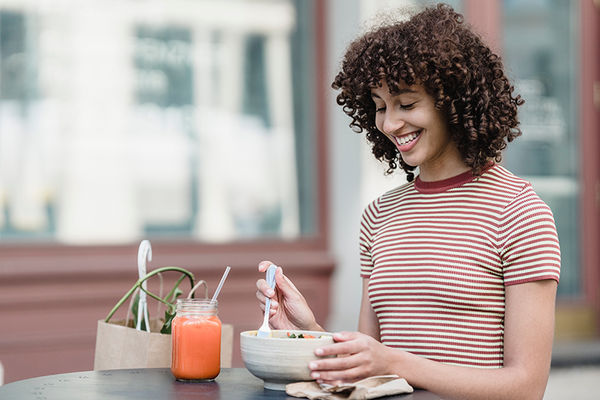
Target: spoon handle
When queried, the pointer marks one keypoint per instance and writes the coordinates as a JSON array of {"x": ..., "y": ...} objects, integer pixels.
[
  {"x": 271, "y": 282},
  {"x": 271, "y": 275},
  {"x": 264, "y": 330}
]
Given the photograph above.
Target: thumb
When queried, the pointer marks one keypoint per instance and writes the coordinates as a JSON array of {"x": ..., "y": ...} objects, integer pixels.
[
  {"x": 284, "y": 284},
  {"x": 345, "y": 336}
]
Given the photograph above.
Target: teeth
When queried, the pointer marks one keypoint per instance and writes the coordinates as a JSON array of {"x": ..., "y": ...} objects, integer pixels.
[{"x": 407, "y": 139}]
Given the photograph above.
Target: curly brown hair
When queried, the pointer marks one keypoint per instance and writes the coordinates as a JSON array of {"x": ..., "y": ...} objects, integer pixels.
[{"x": 437, "y": 49}]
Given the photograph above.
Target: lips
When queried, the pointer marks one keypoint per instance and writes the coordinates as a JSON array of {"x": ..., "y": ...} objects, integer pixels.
[{"x": 406, "y": 142}]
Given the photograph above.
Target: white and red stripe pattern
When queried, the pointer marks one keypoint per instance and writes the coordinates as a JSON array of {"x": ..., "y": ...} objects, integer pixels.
[{"x": 439, "y": 254}]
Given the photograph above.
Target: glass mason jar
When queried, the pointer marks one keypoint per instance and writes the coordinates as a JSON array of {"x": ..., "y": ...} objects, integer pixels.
[{"x": 196, "y": 341}]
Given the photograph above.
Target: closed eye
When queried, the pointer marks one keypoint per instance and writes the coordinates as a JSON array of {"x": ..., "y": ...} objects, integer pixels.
[{"x": 402, "y": 106}]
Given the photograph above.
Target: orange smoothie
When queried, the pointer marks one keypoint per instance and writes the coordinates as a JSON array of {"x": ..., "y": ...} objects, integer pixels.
[{"x": 196, "y": 345}]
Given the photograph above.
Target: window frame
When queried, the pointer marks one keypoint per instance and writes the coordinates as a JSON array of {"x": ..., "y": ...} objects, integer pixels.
[{"x": 39, "y": 257}]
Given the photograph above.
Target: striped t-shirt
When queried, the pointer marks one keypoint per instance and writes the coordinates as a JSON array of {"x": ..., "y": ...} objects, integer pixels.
[{"x": 439, "y": 254}]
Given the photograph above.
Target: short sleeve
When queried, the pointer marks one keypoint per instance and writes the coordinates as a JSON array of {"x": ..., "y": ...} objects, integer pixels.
[
  {"x": 529, "y": 244},
  {"x": 367, "y": 229}
]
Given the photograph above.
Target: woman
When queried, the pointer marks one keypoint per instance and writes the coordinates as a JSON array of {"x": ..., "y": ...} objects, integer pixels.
[{"x": 460, "y": 265}]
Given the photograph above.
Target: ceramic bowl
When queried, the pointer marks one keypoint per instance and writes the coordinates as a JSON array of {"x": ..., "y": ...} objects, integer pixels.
[{"x": 279, "y": 360}]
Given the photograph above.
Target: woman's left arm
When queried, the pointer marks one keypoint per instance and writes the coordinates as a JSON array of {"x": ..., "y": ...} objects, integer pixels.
[{"x": 528, "y": 335}]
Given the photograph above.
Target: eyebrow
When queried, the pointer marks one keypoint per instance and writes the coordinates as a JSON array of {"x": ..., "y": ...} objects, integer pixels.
[{"x": 400, "y": 92}]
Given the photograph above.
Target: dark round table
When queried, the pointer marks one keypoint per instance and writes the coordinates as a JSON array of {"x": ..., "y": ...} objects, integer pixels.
[{"x": 152, "y": 383}]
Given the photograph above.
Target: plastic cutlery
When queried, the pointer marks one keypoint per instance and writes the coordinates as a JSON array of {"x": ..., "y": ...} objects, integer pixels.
[{"x": 264, "y": 330}]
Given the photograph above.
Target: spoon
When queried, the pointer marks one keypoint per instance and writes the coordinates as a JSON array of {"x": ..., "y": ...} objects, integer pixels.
[{"x": 264, "y": 330}]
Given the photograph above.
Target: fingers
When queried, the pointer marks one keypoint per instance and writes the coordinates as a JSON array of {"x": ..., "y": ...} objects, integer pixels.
[
  {"x": 264, "y": 265},
  {"x": 358, "y": 356},
  {"x": 346, "y": 336},
  {"x": 334, "y": 364},
  {"x": 288, "y": 307},
  {"x": 283, "y": 283},
  {"x": 337, "y": 349},
  {"x": 262, "y": 284},
  {"x": 265, "y": 291},
  {"x": 346, "y": 343},
  {"x": 343, "y": 344},
  {"x": 345, "y": 369},
  {"x": 260, "y": 295},
  {"x": 351, "y": 363},
  {"x": 264, "y": 288}
]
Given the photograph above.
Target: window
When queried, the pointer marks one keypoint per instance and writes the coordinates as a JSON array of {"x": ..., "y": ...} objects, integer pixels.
[
  {"x": 541, "y": 49},
  {"x": 146, "y": 119}
]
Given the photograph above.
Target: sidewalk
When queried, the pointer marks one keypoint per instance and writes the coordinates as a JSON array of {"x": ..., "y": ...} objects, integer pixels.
[
  {"x": 575, "y": 372},
  {"x": 574, "y": 383}
]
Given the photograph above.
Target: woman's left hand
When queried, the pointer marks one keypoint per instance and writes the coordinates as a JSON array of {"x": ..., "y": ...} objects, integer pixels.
[{"x": 359, "y": 356}]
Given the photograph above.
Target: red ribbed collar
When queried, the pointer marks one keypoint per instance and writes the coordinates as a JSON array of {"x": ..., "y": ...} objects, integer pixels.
[{"x": 445, "y": 184}]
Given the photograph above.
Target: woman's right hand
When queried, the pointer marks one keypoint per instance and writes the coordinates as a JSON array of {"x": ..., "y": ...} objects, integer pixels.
[{"x": 289, "y": 309}]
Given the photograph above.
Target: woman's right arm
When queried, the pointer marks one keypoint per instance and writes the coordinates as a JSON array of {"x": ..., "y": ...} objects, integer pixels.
[
  {"x": 289, "y": 309},
  {"x": 367, "y": 319}
]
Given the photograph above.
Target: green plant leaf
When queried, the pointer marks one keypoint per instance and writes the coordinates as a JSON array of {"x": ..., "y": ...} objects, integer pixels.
[
  {"x": 175, "y": 294},
  {"x": 166, "y": 329}
]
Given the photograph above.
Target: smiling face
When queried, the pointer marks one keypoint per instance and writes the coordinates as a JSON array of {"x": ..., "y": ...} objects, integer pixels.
[{"x": 419, "y": 131}]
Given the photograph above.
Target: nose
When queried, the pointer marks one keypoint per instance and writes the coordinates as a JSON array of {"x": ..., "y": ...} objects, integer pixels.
[{"x": 392, "y": 122}]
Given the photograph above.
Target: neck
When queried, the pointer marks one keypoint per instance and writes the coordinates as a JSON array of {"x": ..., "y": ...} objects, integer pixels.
[{"x": 432, "y": 173}]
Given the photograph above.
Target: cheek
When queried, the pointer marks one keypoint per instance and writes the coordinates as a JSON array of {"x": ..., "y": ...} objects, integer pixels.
[{"x": 441, "y": 121}]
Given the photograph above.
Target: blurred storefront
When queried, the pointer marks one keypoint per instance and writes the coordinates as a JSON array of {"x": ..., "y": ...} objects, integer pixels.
[
  {"x": 552, "y": 49},
  {"x": 209, "y": 128},
  {"x": 196, "y": 124}
]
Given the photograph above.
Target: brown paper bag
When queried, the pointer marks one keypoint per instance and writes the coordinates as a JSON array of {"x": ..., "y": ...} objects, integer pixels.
[{"x": 121, "y": 347}]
